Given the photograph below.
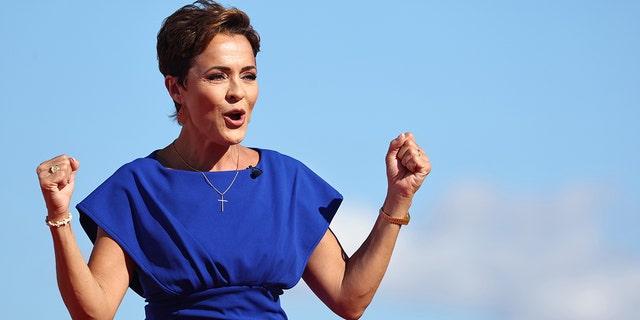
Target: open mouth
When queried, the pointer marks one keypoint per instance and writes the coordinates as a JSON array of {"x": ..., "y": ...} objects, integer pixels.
[{"x": 235, "y": 118}]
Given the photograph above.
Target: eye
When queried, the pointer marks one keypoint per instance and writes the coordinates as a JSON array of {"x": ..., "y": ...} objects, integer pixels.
[
  {"x": 250, "y": 76},
  {"x": 216, "y": 77}
]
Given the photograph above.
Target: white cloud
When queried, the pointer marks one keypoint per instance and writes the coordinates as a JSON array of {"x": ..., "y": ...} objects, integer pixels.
[{"x": 520, "y": 256}]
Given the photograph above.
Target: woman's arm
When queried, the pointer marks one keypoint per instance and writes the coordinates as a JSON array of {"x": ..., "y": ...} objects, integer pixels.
[
  {"x": 347, "y": 285},
  {"x": 93, "y": 290}
]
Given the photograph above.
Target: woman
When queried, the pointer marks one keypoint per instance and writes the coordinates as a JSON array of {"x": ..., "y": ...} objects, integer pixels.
[{"x": 206, "y": 227}]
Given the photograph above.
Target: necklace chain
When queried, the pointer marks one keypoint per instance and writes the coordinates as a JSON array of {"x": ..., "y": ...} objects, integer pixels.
[{"x": 221, "y": 200}]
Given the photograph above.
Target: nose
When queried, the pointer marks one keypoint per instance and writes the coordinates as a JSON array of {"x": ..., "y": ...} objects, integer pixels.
[{"x": 236, "y": 91}]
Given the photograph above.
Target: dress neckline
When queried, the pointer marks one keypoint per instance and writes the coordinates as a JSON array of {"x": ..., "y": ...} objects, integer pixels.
[{"x": 154, "y": 156}]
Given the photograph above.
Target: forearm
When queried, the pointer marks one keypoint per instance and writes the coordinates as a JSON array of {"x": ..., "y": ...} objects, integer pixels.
[
  {"x": 347, "y": 285},
  {"x": 79, "y": 289},
  {"x": 366, "y": 268}
]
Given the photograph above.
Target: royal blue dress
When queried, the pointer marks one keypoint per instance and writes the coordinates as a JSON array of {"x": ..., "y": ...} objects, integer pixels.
[{"x": 194, "y": 261}]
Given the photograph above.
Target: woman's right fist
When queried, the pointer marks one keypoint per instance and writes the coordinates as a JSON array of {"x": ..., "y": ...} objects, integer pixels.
[{"x": 57, "y": 177}]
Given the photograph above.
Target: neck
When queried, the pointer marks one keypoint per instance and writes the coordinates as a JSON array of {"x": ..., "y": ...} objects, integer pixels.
[{"x": 206, "y": 159}]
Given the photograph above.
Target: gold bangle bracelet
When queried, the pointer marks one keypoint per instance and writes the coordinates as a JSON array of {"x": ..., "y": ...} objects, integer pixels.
[{"x": 399, "y": 221}]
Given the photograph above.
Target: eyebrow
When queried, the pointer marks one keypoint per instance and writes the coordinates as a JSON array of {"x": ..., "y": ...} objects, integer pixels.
[{"x": 227, "y": 69}]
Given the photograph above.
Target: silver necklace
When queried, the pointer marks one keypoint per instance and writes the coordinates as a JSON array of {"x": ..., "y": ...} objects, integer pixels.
[{"x": 221, "y": 200}]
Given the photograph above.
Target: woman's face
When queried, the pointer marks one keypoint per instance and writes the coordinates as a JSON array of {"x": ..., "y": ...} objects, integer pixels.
[{"x": 220, "y": 91}]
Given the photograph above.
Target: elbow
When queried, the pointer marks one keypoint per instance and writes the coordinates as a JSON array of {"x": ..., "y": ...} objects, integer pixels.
[
  {"x": 88, "y": 316},
  {"x": 84, "y": 316},
  {"x": 351, "y": 313},
  {"x": 76, "y": 312},
  {"x": 352, "y": 309}
]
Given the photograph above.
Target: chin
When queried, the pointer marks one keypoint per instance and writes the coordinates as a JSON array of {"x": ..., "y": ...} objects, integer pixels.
[{"x": 236, "y": 138}]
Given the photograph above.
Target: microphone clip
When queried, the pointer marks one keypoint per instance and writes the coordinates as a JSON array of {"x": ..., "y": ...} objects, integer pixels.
[{"x": 255, "y": 172}]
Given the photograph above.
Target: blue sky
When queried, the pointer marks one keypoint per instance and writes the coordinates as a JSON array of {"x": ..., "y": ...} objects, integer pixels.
[{"x": 529, "y": 111}]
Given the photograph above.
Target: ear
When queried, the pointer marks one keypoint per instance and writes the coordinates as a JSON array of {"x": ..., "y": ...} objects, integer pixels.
[{"x": 174, "y": 88}]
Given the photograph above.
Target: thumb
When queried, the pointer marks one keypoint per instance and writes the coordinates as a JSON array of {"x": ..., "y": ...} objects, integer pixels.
[
  {"x": 394, "y": 147},
  {"x": 75, "y": 165}
]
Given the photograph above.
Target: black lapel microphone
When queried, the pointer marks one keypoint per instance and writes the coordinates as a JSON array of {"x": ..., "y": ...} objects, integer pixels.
[{"x": 255, "y": 172}]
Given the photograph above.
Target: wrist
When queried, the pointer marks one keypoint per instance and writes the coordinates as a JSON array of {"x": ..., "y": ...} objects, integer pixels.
[
  {"x": 400, "y": 221},
  {"x": 57, "y": 222},
  {"x": 54, "y": 211},
  {"x": 396, "y": 206}
]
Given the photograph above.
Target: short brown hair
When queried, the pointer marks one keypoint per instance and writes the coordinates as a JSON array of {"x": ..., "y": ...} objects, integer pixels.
[{"x": 187, "y": 33}]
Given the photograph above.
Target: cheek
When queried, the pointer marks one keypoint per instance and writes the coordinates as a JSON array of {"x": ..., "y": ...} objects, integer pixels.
[
  {"x": 252, "y": 98},
  {"x": 253, "y": 92}
]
